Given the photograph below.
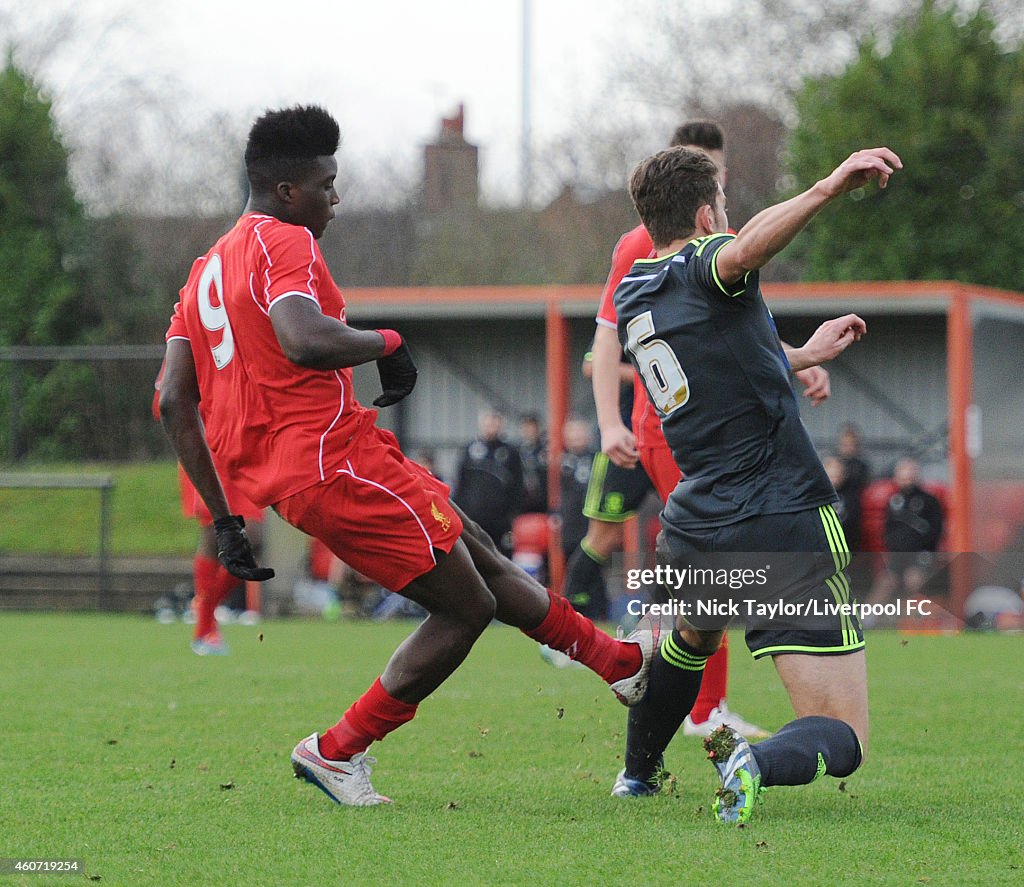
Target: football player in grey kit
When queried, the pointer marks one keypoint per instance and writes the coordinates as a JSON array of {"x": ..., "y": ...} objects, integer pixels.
[{"x": 695, "y": 326}]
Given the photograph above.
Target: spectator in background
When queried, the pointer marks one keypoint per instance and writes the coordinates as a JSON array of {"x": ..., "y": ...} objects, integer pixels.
[
  {"x": 913, "y": 526},
  {"x": 489, "y": 487},
  {"x": 533, "y": 453},
  {"x": 577, "y": 461},
  {"x": 850, "y": 449},
  {"x": 856, "y": 476},
  {"x": 849, "y": 503}
]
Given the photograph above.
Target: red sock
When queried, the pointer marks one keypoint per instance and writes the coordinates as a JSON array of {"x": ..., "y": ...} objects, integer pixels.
[
  {"x": 372, "y": 716},
  {"x": 713, "y": 687},
  {"x": 566, "y": 630},
  {"x": 213, "y": 583}
]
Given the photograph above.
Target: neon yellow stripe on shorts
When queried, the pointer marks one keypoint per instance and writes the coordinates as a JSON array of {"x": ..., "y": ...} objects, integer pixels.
[{"x": 836, "y": 537}]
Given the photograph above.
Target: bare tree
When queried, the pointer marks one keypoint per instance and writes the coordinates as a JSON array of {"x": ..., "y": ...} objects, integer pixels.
[
  {"x": 744, "y": 52},
  {"x": 740, "y": 62},
  {"x": 698, "y": 58},
  {"x": 138, "y": 141}
]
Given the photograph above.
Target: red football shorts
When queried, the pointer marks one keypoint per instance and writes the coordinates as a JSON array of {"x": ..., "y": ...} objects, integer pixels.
[
  {"x": 661, "y": 468},
  {"x": 382, "y": 514},
  {"x": 193, "y": 506}
]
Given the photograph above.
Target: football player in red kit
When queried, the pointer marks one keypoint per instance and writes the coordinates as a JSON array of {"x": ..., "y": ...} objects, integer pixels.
[{"x": 258, "y": 371}]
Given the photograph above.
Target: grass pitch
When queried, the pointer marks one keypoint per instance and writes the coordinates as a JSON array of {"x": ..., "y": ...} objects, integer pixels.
[{"x": 158, "y": 767}]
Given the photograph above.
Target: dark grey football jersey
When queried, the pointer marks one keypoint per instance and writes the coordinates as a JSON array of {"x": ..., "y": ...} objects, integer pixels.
[{"x": 713, "y": 367}]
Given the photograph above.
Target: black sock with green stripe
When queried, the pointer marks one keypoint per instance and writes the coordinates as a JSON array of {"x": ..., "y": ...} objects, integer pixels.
[
  {"x": 676, "y": 673},
  {"x": 585, "y": 587},
  {"x": 805, "y": 749}
]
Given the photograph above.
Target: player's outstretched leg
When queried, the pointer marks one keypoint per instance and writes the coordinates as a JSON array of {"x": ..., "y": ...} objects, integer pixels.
[
  {"x": 806, "y": 749},
  {"x": 676, "y": 673},
  {"x": 460, "y": 608},
  {"x": 829, "y": 695},
  {"x": 798, "y": 754},
  {"x": 550, "y": 619}
]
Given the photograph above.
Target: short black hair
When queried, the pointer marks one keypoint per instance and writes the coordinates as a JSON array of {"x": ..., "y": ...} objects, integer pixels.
[
  {"x": 282, "y": 144},
  {"x": 704, "y": 134}
]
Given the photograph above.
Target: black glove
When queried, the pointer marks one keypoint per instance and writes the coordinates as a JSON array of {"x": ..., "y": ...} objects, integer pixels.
[
  {"x": 235, "y": 551},
  {"x": 397, "y": 376}
]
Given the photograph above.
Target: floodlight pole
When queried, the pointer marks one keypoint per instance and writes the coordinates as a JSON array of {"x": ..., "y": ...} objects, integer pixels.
[{"x": 526, "y": 159}]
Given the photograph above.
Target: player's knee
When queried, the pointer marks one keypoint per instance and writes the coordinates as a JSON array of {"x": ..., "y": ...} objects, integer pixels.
[
  {"x": 862, "y": 748},
  {"x": 856, "y": 723},
  {"x": 858, "y": 753},
  {"x": 705, "y": 643},
  {"x": 474, "y": 604},
  {"x": 477, "y": 609},
  {"x": 845, "y": 744},
  {"x": 470, "y": 604},
  {"x": 604, "y": 538}
]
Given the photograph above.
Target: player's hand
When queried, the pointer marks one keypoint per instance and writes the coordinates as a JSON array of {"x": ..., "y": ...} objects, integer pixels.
[
  {"x": 817, "y": 384},
  {"x": 831, "y": 339},
  {"x": 397, "y": 376},
  {"x": 860, "y": 168},
  {"x": 619, "y": 445},
  {"x": 235, "y": 551}
]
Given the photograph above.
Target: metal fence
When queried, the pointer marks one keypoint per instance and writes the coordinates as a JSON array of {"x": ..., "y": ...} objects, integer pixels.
[{"x": 79, "y": 403}]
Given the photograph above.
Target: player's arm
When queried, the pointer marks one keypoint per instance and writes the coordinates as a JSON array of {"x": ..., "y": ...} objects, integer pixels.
[
  {"x": 313, "y": 340},
  {"x": 772, "y": 229},
  {"x": 617, "y": 441},
  {"x": 828, "y": 341},
  {"x": 817, "y": 384},
  {"x": 587, "y": 368},
  {"x": 815, "y": 379},
  {"x": 179, "y": 413}
]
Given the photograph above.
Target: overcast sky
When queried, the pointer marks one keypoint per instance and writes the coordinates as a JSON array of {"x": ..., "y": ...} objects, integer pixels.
[{"x": 388, "y": 71}]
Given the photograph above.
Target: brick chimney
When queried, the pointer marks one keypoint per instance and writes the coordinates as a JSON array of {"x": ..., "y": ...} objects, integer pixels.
[{"x": 450, "y": 176}]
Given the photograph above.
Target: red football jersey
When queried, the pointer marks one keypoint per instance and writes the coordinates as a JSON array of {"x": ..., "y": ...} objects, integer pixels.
[
  {"x": 633, "y": 245},
  {"x": 276, "y": 428}
]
